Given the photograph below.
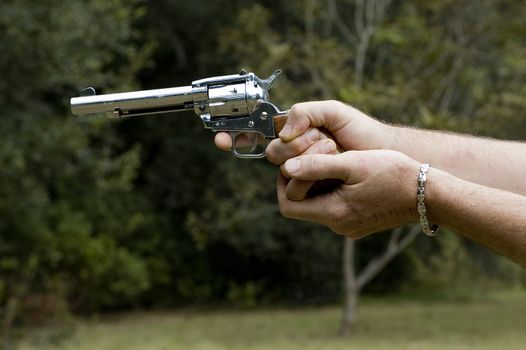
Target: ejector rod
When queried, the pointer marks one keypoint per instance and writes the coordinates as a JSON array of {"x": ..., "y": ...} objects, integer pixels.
[{"x": 135, "y": 102}]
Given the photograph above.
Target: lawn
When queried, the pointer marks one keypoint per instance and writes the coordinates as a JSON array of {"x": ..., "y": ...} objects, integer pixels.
[{"x": 496, "y": 323}]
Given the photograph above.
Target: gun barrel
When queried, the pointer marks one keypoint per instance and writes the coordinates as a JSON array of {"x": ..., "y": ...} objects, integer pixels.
[{"x": 135, "y": 102}]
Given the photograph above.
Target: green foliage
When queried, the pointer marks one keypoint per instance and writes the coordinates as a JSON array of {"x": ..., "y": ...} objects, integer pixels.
[
  {"x": 456, "y": 268},
  {"x": 66, "y": 197}
]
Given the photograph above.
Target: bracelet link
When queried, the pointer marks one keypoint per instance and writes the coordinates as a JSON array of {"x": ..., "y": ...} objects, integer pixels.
[{"x": 428, "y": 228}]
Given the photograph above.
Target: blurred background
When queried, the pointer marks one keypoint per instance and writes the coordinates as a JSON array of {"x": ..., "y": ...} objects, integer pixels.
[{"x": 140, "y": 234}]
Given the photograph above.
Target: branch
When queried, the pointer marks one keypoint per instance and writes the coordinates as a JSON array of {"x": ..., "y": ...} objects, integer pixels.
[
  {"x": 358, "y": 19},
  {"x": 450, "y": 87},
  {"x": 331, "y": 14},
  {"x": 367, "y": 19},
  {"x": 334, "y": 17},
  {"x": 394, "y": 247},
  {"x": 309, "y": 34},
  {"x": 444, "y": 88},
  {"x": 369, "y": 14}
]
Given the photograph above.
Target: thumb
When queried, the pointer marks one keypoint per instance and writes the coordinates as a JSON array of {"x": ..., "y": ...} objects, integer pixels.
[
  {"x": 316, "y": 167},
  {"x": 324, "y": 114}
]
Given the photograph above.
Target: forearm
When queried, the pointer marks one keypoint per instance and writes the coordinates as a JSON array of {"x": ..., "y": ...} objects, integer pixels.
[
  {"x": 494, "y": 218},
  {"x": 489, "y": 162}
]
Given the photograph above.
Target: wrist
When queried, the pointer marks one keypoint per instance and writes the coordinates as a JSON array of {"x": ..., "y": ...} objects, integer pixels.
[
  {"x": 387, "y": 136},
  {"x": 429, "y": 228},
  {"x": 439, "y": 185}
]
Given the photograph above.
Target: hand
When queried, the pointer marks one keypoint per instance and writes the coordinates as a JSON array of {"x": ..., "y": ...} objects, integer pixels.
[
  {"x": 310, "y": 139},
  {"x": 378, "y": 191},
  {"x": 311, "y": 142},
  {"x": 350, "y": 129}
]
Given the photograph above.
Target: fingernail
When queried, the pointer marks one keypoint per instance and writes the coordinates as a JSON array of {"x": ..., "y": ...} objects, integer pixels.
[
  {"x": 313, "y": 135},
  {"x": 286, "y": 131},
  {"x": 328, "y": 147},
  {"x": 292, "y": 165}
]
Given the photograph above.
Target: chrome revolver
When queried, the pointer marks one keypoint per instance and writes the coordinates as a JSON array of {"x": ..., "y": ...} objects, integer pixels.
[{"x": 237, "y": 104}]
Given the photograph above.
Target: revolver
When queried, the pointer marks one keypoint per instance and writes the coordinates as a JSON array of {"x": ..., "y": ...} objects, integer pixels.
[{"x": 237, "y": 104}]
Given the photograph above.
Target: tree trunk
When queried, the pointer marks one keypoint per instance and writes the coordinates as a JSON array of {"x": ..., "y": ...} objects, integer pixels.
[
  {"x": 354, "y": 282},
  {"x": 351, "y": 287},
  {"x": 10, "y": 313}
]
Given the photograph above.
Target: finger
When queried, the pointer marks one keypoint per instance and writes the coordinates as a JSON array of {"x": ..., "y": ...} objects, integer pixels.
[
  {"x": 313, "y": 209},
  {"x": 326, "y": 114},
  {"x": 323, "y": 146},
  {"x": 318, "y": 167},
  {"x": 223, "y": 141},
  {"x": 242, "y": 141},
  {"x": 298, "y": 189},
  {"x": 278, "y": 151}
]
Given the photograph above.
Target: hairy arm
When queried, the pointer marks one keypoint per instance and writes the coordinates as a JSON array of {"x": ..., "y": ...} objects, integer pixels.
[
  {"x": 485, "y": 161},
  {"x": 492, "y": 217}
]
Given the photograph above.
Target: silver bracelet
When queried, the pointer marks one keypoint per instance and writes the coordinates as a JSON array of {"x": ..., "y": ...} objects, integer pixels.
[{"x": 428, "y": 228}]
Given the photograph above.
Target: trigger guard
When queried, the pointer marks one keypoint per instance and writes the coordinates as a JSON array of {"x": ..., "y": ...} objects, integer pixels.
[{"x": 255, "y": 144}]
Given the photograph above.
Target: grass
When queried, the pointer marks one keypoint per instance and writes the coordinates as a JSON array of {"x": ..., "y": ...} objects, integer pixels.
[{"x": 497, "y": 323}]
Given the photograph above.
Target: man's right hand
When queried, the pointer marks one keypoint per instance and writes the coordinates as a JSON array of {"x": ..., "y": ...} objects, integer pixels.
[
  {"x": 321, "y": 127},
  {"x": 347, "y": 126},
  {"x": 350, "y": 129}
]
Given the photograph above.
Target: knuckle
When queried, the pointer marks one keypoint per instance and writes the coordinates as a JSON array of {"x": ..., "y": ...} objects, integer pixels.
[
  {"x": 296, "y": 109},
  {"x": 339, "y": 214},
  {"x": 323, "y": 146},
  {"x": 284, "y": 209},
  {"x": 296, "y": 194},
  {"x": 311, "y": 166},
  {"x": 329, "y": 147},
  {"x": 272, "y": 153},
  {"x": 300, "y": 112},
  {"x": 298, "y": 146},
  {"x": 312, "y": 136},
  {"x": 293, "y": 109},
  {"x": 335, "y": 103},
  {"x": 291, "y": 193}
]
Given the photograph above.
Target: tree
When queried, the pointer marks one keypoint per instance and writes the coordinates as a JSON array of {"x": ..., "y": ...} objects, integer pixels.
[{"x": 65, "y": 186}]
